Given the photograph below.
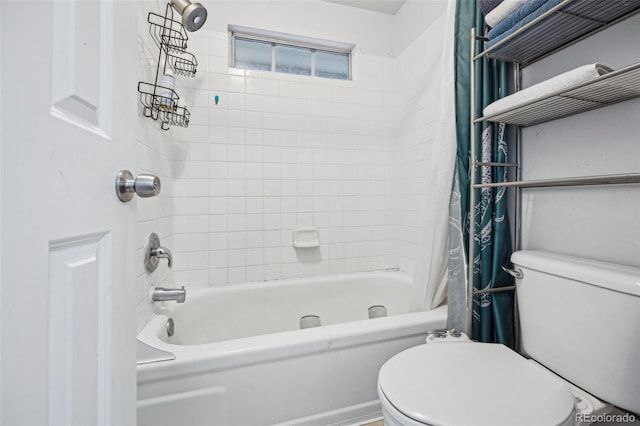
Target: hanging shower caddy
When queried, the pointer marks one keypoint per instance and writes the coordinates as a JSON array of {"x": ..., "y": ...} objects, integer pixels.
[{"x": 160, "y": 102}]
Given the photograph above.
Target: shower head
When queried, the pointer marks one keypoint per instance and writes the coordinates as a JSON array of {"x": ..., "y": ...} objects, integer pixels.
[{"x": 193, "y": 14}]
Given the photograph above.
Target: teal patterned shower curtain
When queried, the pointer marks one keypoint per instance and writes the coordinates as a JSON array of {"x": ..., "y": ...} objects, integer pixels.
[{"x": 493, "y": 315}]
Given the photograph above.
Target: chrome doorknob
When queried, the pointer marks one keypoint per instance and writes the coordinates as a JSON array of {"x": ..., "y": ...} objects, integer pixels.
[{"x": 144, "y": 185}]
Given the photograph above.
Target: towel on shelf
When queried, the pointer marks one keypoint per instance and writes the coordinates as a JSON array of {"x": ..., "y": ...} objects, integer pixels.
[
  {"x": 487, "y": 6},
  {"x": 504, "y": 9},
  {"x": 554, "y": 84},
  {"x": 550, "y": 4},
  {"x": 528, "y": 11}
]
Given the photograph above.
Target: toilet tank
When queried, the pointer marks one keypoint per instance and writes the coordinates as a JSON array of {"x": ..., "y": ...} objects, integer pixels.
[{"x": 581, "y": 319}]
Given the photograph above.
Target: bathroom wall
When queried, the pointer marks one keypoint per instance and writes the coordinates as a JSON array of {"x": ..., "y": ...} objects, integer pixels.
[
  {"x": 412, "y": 20},
  {"x": 418, "y": 33},
  {"x": 155, "y": 150},
  {"x": 601, "y": 223},
  {"x": 277, "y": 153},
  {"x": 280, "y": 151}
]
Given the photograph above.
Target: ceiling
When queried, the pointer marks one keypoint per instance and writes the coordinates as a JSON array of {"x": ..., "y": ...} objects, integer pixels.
[{"x": 390, "y": 7}]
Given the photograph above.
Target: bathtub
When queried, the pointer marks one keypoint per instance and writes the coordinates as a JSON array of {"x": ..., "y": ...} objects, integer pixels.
[{"x": 242, "y": 359}]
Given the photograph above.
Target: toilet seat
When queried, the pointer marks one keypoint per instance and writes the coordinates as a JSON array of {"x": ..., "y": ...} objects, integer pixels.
[{"x": 490, "y": 386}]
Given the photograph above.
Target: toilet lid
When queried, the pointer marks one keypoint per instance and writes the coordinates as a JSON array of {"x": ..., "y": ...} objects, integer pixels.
[{"x": 479, "y": 384}]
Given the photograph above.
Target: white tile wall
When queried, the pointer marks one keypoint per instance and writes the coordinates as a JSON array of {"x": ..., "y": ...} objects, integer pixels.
[
  {"x": 155, "y": 150},
  {"x": 416, "y": 89},
  {"x": 278, "y": 152}
]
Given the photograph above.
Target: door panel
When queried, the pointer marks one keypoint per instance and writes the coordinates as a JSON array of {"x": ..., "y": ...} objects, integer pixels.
[
  {"x": 67, "y": 280},
  {"x": 78, "y": 313},
  {"x": 82, "y": 33}
]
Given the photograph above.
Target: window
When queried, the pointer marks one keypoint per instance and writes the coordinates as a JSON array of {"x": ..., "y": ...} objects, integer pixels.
[
  {"x": 270, "y": 51},
  {"x": 293, "y": 60},
  {"x": 253, "y": 55}
]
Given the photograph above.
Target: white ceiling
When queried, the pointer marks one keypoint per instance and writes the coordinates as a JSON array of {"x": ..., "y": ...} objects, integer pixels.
[{"x": 390, "y": 7}]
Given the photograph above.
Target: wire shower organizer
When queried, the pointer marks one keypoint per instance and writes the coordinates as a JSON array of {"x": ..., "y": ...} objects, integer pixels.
[{"x": 160, "y": 102}]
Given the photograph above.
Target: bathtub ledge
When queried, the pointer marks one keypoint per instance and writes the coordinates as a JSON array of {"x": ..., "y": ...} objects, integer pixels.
[{"x": 211, "y": 357}]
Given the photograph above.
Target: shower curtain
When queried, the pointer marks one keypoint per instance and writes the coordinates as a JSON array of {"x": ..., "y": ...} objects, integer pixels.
[
  {"x": 430, "y": 274},
  {"x": 492, "y": 312}
]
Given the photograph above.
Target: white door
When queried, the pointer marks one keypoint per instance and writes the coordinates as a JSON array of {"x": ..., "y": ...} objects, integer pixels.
[{"x": 68, "y": 72}]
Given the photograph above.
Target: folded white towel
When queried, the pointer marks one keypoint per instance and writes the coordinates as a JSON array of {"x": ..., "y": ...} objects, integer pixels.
[
  {"x": 501, "y": 11},
  {"x": 559, "y": 82}
]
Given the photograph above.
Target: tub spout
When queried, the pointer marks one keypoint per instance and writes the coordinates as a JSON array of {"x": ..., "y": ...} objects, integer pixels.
[{"x": 164, "y": 294}]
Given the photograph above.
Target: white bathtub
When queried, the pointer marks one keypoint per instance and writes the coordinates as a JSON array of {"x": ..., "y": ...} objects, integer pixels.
[{"x": 241, "y": 358}]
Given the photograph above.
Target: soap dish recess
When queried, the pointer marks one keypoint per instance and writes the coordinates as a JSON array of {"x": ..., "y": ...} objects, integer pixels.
[{"x": 306, "y": 238}]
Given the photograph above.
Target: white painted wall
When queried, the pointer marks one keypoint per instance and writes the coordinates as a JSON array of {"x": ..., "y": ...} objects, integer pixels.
[
  {"x": 412, "y": 20},
  {"x": 601, "y": 223}
]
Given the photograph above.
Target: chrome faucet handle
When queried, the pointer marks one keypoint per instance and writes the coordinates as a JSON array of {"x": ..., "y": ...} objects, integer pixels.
[
  {"x": 163, "y": 253},
  {"x": 153, "y": 252}
]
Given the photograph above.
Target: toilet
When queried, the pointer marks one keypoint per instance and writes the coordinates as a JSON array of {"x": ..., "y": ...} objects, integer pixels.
[{"x": 580, "y": 331}]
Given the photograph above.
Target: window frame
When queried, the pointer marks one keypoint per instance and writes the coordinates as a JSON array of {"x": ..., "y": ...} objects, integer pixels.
[{"x": 314, "y": 45}]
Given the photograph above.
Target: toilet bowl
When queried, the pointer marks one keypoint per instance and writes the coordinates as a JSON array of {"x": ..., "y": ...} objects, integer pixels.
[
  {"x": 491, "y": 385},
  {"x": 486, "y": 384}
]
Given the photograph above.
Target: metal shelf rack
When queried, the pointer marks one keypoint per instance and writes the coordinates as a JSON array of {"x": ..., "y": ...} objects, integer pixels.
[
  {"x": 159, "y": 102},
  {"x": 565, "y": 24},
  {"x": 167, "y": 32},
  {"x": 611, "y": 88},
  {"x": 619, "y": 179},
  {"x": 156, "y": 99}
]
